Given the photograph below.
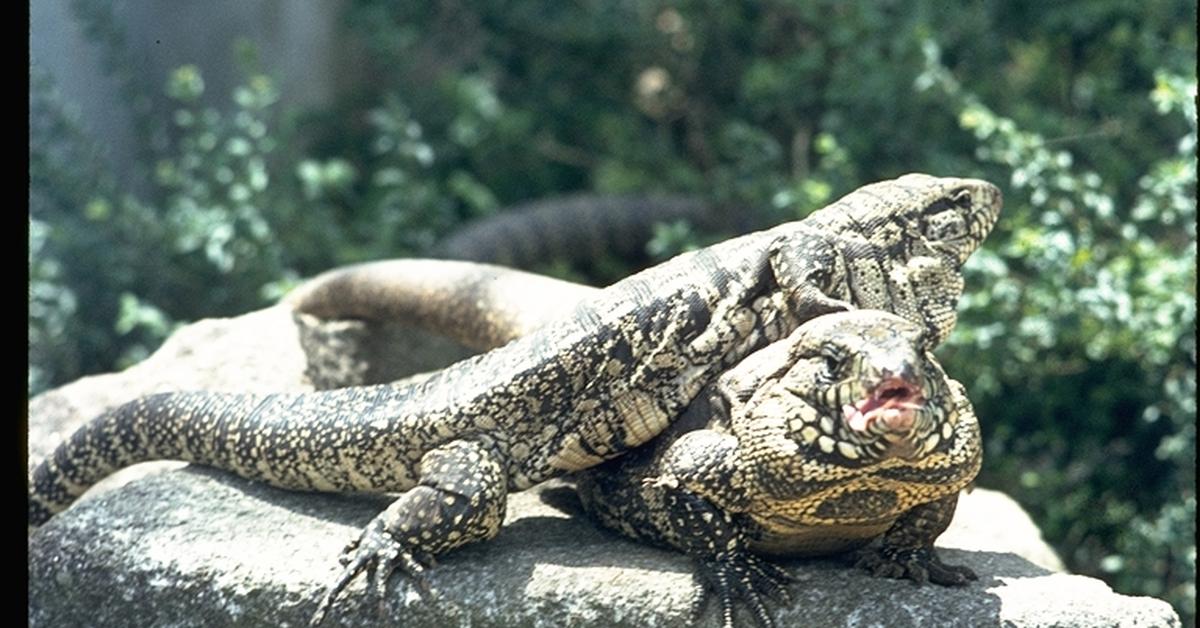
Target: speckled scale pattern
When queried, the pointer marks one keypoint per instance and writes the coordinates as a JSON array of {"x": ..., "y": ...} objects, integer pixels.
[
  {"x": 610, "y": 376},
  {"x": 752, "y": 484},
  {"x": 615, "y": 355},
  {"x": 568, "y": 395},
  {"x": 460, "y": 498},
  {"x": 756, "y": 462},
  {"x": 921, "y": 290},
  {"x": 933, "y": 225},
  {"x": 565, "y": 397}
]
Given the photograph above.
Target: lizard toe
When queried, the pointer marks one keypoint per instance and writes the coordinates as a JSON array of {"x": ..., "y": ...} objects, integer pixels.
[
  {"x": 739, "y": 576},
  {"x": 950, "y": 575},
  {"x": 920, "y": 565},
  {"x": 379, "y": 555}
]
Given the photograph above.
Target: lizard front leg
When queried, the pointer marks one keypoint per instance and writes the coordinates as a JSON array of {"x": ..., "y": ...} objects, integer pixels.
[
  {"x": 811, "y": 273},
  {"x": 907, "y": 550},
  {"x": 925, "y": 291},
  {"x": 668, "y": 495},
  {"x": 459, "y": 499},
  {"x": 714, "y": 538}
]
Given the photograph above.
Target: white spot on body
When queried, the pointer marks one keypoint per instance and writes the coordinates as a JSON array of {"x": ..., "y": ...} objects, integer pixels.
[{"x": 847, "y": 450}]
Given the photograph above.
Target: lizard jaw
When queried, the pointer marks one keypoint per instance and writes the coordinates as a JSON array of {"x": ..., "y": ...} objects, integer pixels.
[{"x": 891, "y": 405}]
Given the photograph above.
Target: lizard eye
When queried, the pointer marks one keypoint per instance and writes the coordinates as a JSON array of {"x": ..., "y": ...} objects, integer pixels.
[
  {"x": 947, "y": 225},
  {"x": 961, "y": 198},
  {"x": 833, "y": 365},
  {"x": 821, "y": 277}
]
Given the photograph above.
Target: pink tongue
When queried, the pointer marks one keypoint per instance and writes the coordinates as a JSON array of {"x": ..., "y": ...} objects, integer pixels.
[
  {"x": 856, "y": 419},
  {"x": 897, "y": 416}
]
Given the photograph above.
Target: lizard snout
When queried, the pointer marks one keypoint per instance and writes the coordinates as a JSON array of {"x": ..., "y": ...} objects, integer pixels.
[{"x": 892, "y": 405}]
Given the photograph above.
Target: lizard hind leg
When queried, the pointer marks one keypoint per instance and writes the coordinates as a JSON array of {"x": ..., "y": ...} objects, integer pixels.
[{"x": 460, "y": 498}]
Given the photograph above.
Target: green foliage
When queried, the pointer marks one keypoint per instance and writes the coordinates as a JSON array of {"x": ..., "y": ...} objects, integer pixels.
[
  {"x": 52, "y": 306},
  {"x": 1076, "y": 342},
  {"x": 214, "y": 185},
  {"x": 1087, "y": 311},
  {"x": 77, "y": 224}
]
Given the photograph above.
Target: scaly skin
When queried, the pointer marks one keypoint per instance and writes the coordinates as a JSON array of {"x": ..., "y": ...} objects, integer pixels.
[
  {"x": 571, "y": 394},
  {"x": 778, "y": 385},
  {"x": 845, "y": 432},
  {"x": 915, "y": 218},
  {"x": 497, "y": 305}
]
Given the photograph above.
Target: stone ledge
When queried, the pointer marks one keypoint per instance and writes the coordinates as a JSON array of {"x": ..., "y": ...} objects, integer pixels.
[{"x": 197, "y": 547}]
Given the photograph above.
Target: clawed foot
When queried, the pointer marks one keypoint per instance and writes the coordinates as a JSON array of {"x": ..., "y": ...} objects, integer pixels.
[
  {"x": 919, "y": 565},
  {"x": 379, "y": 554},
  {"x": 739, "y": 575}
]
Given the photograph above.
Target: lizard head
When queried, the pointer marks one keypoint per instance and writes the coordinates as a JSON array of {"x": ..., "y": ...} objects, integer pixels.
[
  {"x": 954, "y": 215},
  {"x": 903, "y": 244},
  {"x": 919, "y": 214},
  {"x": 850, "y": 389},
  {"x": 945, "y": 216}
]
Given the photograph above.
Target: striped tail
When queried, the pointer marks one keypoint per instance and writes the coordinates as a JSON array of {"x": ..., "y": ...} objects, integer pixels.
[{"x": 168, "y": 426}]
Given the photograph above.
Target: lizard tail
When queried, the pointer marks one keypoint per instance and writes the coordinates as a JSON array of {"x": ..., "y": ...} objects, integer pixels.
[
  {"x": 479, "y": 305},
  {"x": 320, "y": 441},
  {"x": 156, "y": 427}
]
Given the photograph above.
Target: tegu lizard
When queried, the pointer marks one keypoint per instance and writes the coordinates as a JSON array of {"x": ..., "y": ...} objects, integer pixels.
[
  {"x": 607, "y": 377},
  {"x": 845, "y": 432}
]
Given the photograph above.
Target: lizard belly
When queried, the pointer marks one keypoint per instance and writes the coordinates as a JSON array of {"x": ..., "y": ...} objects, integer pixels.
[
  {"x": 790, "y": 539},
  {"x": 836, "y": 519}
]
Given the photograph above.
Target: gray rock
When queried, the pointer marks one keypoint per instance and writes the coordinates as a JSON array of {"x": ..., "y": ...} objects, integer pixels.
[{"x": 197, "y": 547}]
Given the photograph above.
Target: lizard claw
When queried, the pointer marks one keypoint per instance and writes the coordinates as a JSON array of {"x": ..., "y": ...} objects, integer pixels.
[
  {"x": 917, "y": 564},
  {"x": 740, "y": 575},
  {"x": 379, "y": 554}
]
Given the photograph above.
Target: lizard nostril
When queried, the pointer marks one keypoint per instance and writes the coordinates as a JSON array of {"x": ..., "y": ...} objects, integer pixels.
[{"x": 900, "y": 374}]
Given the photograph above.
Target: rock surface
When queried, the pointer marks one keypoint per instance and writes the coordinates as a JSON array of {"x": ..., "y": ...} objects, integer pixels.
[{"x": 196, "y": 547}]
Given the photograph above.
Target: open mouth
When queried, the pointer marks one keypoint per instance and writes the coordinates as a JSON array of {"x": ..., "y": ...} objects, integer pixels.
[{"x": 892, "y": 406}]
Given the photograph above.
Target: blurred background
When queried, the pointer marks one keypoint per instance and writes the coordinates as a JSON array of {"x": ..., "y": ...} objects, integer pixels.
[{"x": 198, "y": 158}]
